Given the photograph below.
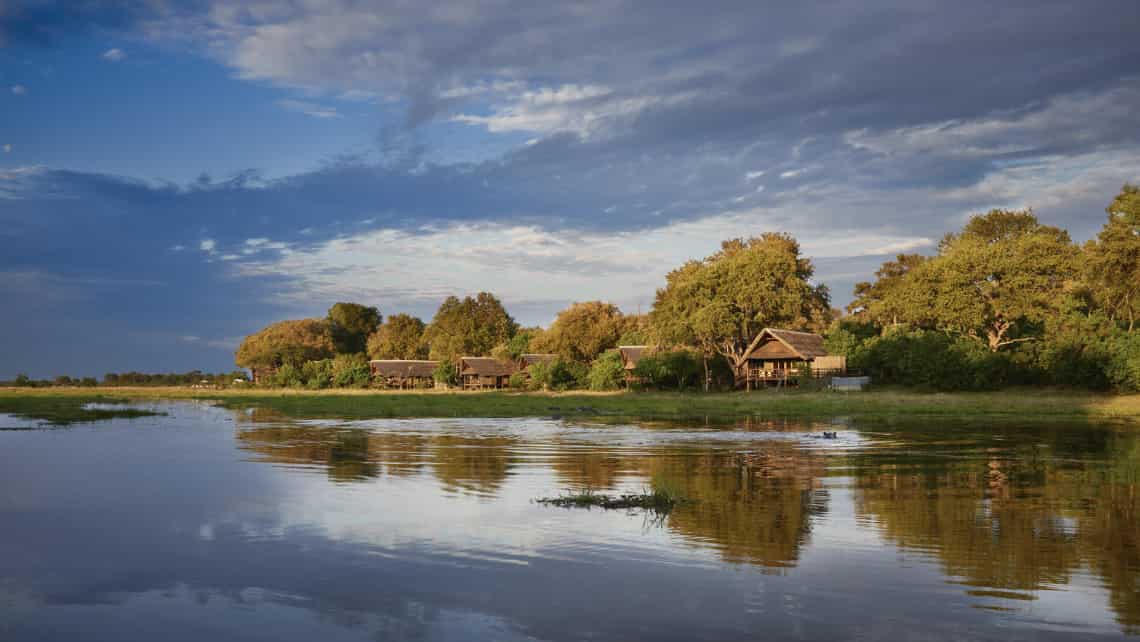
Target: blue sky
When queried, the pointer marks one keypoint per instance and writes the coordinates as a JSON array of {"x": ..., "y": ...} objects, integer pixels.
[{"x": 176, "y": 175}]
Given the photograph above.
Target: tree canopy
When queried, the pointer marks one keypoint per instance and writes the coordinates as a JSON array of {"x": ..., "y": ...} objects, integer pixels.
[
  {"x": 351, "y": 324},
  {"x": 721, "y": 303},
  {"x": 471, "y": 327},
  {"x": 1112, "y": 260},
  {"x": 400, "y": 337},
  {"x": 583, "y": 331},
  {"x": 995, "y": 281},
  {"x": 286, "y": 343},
  {"x": 882, "y": 301}
]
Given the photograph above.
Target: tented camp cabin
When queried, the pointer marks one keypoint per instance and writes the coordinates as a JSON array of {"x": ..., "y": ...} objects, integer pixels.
[
  {"x": 630, "y": 355},
  {"x": 776, "y": 357},
  {"x": 526, "y": 361},
  {"x": 262, "y": 374},
  {"x": 485, "y": 373},
  {"x": 403, "y": 373}
]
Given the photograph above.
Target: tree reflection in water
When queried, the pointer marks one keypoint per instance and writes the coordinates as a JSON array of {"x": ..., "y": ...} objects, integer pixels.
[{"x": 1007, "y": 512}]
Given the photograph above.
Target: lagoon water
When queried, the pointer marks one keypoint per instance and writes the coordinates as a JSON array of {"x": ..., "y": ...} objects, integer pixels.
[{"x": 213, "y": 524}]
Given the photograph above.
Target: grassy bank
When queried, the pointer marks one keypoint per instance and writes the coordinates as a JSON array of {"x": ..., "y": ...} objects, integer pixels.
[
  {"x": 773, "y": 404},
  {"x": 65, "y": 407}
]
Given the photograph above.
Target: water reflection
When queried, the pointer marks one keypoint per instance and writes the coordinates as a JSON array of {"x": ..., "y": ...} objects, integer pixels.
[{"x": 423, "y": 529}]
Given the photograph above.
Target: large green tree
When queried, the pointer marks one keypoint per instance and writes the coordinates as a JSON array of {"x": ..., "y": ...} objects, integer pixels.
[
  {"x": 469, "y": 326},
  {"x": 400, "y": 337},
  {"x": 879, "y": 301},
  {"x": 996, "y": 281},
  {"x": 583, "y": 331},
  {"x": 351, "y": 324},
  {"x": 1112, "y": 260},
  {"x": 286, "y": 343},
  {"x": 719, "y": 304}
]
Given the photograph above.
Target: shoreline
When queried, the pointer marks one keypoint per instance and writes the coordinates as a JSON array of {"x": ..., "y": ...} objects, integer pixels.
[{"x": 1029, "y": 404}]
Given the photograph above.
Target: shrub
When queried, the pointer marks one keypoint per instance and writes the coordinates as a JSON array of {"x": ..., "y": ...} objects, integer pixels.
[
  {"x": 557, "y": 375},
  {"x": 445, "y": 373},
  {"x": 288, "y": 376},
  {"x": 1123, "y": 367},
  {"x": 350, "y": 371},
  {"x": 317, "y": 375},
  {"x": 518, "y": 381},
  {"x": 678, "y": 369},
  {"x": 607, "y": 372}
]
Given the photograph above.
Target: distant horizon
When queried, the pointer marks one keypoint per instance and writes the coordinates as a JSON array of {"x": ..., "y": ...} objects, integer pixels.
[{"x": 175, "y": 177}]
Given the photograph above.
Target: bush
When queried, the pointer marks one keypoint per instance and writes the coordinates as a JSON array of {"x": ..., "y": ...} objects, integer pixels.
[
  {"x": 317, "y": 375},
  {"x": 288, "y": 376},
  {"x": 518, "y": 381},
  {"x": 557, "y": 375},
  {"x": 446, "y": 374},
  {"x": 1123, "y": 367},
  {"x": 607, "y": 372},
  {"x": 350, "y": 371},
  {"x": 678, "y": 369}
]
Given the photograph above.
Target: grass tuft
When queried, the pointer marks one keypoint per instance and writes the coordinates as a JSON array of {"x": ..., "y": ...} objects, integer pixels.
[
  {"x": 659, "y": 500},
  {"x": 63, "y": 410}
]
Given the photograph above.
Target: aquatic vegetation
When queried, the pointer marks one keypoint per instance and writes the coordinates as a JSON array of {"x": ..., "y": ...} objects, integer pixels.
[
  {"x": 63, "y": 410},
  {"x": 659, "y": 500}
]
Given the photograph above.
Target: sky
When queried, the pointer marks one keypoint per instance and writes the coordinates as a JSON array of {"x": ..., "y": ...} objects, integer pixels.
[{"x": 175, "y": 175}]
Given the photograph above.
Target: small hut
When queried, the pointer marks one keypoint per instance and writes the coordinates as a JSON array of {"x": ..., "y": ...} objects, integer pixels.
[
  {"x": 526, "y": 361},
  {"x": 262, "y": 374},
  {"x": 630, "y": 355},
  {"x": 485, "y": 373},
  {"x": 403, "y": 373},
  {"x": 778, "y": 356}
]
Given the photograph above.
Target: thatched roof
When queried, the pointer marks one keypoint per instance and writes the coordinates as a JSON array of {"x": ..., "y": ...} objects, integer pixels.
[
  {"x": 405, "y": 368},
  {"x": 802, "y": 345},
  {"x": 630, "y": 355},
  {"x": 528, "y": 360},
  {"x": 486, "y": 367}
]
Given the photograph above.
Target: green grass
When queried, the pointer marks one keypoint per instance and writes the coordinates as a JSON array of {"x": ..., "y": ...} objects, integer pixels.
[
  {"x": 791, "y": 404},
  {"x": 61, "y": 410}
]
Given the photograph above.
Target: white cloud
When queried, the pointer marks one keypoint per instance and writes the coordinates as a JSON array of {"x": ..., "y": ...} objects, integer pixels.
[
  {"x": 208, "y": 245},
  {"x": 7, "y": 148},
  {"x": 309, "y": 109},
  {"x": 177, "y": 248},
  {"x": 414, "y": 268},
  {"x": 114, "y": 55},
  {"x": 754, "y": 175},
  {"x": 189, "y": 338},
  {"x": 581, "y": 109},
  {"x": 19, "y": 90},
  {"x": 1069, "y": 120},
  {"x": 791, "y": 173}
]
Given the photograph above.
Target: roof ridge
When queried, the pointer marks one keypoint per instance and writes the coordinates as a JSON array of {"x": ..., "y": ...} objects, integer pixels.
[{"x": 793, "y": 331}]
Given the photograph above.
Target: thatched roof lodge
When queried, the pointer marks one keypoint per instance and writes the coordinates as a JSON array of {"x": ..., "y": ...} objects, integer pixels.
[
  {"x": 403, "y": 373},
  {"x": 777, "y": 356},
  {"x": 530, "y": 359},
  {"x": 630, "y": 355},
  {"x": 482, "y": 373}
]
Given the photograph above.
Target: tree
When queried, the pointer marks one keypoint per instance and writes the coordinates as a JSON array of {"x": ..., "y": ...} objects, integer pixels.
[
  {"x": 351, "y": 324},
  {"x": 997, "y": 279},
  {"x": 286, "y": 343},
  {"x": 1112, "y": 261},
  {"x": 583, "y": 331},
  {"x": 721, "y": 303},
  {"x": 880, "y": 301},
  {"x": 471, "y": 327},
  {"x": 400, "y": 337}
]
